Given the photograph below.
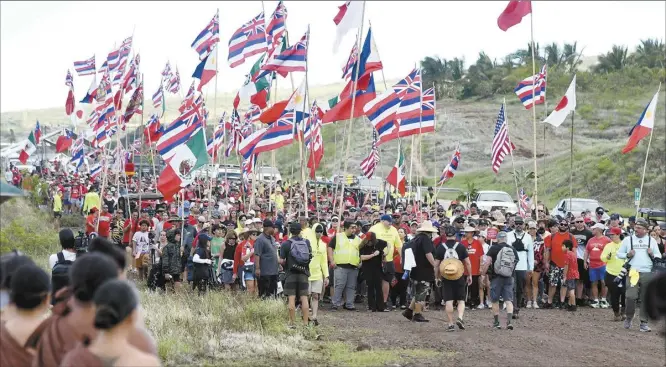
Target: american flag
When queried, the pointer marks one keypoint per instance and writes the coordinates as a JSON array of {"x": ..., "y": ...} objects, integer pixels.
[
  {"x": 525, "y": 203},
  {"x": 158, "y": 97},
  {"x": 451, "y": 168},
  {"x": 369, "y": 164},
  {"x": 207, "y": 38},
  {"x": 174, "y": 83},
  {"x": 276, "y": 28},
  {"x": 85, "y": 67},
  {"x": 501, "y": 143},
  {"x": 349, "y": 66},
  {"x": 524, "y": 89},
  {"x": 69, "y": 80},
  {"x": 248, "y": 40}
]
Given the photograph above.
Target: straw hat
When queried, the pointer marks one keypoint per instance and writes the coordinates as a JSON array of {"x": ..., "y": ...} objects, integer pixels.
[
  {"x": 427, "y": 226},
  {"x": 451, "y": 269}
]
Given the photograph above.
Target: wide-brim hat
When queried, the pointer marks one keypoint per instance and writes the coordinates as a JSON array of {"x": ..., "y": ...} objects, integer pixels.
[
  {"x": 449, "y": 263},
  {"x": 427, "y": 226}
]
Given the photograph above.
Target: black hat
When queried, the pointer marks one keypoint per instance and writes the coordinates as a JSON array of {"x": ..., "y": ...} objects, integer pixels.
[
  {"x": 519, "y": 220},
  {"x": 268, "y": 223},
  {"x": 615, "y": 216},
  {"x": 295, "y": 227},
  {"x": 450, "y": 231}
]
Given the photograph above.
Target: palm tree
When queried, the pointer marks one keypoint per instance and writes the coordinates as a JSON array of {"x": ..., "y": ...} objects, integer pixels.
[
  {"x": 650, "y": 53},
  {"x": 457, "y": 68},
  {"x": 614, "y": 60},
  {"x": 571, "y": 57},
  {"x": 553, "y": 54},
  {"x": 471, "y": 191},
  {"x": 435, "y": 70},
  {"x": 522, "y": 176},
  {"x": 483, "y": 63}
]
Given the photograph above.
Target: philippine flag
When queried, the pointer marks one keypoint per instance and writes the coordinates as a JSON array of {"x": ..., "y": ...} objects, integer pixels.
[
  {"x": 206, "y": 69},
  {"x": 644, "y": 125}
]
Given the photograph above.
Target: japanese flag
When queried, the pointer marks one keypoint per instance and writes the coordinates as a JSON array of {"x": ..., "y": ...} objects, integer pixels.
[{"x": 567, "y": 104}]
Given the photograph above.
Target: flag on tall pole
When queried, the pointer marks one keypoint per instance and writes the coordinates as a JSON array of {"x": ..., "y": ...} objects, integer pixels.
[
  {"x": 644, "y": 126},
  {"x": 208, "y": 38},
  {"x": 566, "y": 105},
  {"x": 350, "y": 16},
  {"x": 501, "y": 145},
  {"x": 85, "y": 67},
  {"x": 248, "y": 40},
  {"x": 514, "y": 13},
  {"x": 29, "y": 148},
  {"x": 396, "y": 177},
  {"x": 370, "y": 163},
  {"x": 524, "y": 89},
  {"x": 451, "y": 168},
  {"x": 206, "y": 70}
]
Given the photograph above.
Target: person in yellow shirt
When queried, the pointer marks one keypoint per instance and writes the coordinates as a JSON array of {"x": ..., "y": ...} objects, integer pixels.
[
  {"x": 344, "y": 258},
  {"x": 278, "y": 199},
  {"x": 386, "y": 232},
  {"x": 318, "y": 268},
  {"x": 613, "y": 269},
  {"x": 57, "y": 208},
  {"x": 91, "y": 200}
]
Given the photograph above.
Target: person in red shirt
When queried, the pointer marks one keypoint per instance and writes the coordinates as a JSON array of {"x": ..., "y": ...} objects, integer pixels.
[
  {"x": 555, "y": 258},
  {"x": 75, "y": 196},
  {"x": 597, "y": 268},
  {"x": 104, "y": 227},
  {"x": 130, "y": 226},
  {"x": 571, "y": 271},
  {"x": 91, "y": 221},
  {"x": 475, "y": 252}
]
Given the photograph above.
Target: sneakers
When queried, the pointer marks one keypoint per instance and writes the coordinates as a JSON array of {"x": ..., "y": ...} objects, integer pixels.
[
  {"x": 603, "y": 304},
  {"x": 334, "y": 308},
  {"x": 644, "y": 327},
  {"x": 408, "y": 314},
  {"x": 509, "y": 326},
  {"x": 419, "y": 318},
  {"x": 515, "y": 316},
  {"x": 547, "y": 305},
  {"x": 461, "y": 324},
  {"x": 595, "y": 304},
  {"x": 451, "y": 328},
  {"x": 535, "y": 306},
  {"x": 403, "y": 307},
  {"x": 617, "y": 317},
  {"x": 496, "y": 325},
  {"x": 572, "y": 308},
  {"x": 627, "y": 323},
  {"x": 529, "y": 304},
  {"x": 481, "y": 306}
]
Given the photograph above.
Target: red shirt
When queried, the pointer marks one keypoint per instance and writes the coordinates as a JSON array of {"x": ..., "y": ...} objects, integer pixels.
[
  {"x": 75, "y": 193},
  {"x": 104, "y": 225},
  {"x": 192, "y": 220},
  {"x": 572, "y": 260},
  {"x": 554, "y": 243},
  {"x": 132, "y": 225},
  {"x": 190, "y": 195},
  {"x": 91, "y": 222},
  {"x": 595, "y": 246},
  {"x": 475, "y": 251}
]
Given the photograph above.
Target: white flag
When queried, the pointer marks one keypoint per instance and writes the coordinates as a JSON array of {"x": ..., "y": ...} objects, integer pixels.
[
  {"x": 567, "y": 104},
  {"x": 350, "y": 16}
]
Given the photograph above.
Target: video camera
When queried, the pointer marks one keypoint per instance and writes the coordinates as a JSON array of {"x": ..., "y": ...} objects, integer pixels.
[
  {"x": 619, "y": 279},
  {"x": 81, "y": 242}
]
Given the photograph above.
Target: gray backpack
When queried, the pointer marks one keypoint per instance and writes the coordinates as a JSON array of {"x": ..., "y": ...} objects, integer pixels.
[{"x": 505, "y": 262}]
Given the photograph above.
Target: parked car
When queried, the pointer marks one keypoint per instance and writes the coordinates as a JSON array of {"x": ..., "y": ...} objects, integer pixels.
[
  {"x": 495, "y": 200},
  {"x": 575, "y": 206}
]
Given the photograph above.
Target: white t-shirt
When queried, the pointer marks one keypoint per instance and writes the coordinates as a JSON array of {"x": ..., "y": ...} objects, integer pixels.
[
  {"x": 69, "y": 256},
  {"x": 142, "y": 243}
]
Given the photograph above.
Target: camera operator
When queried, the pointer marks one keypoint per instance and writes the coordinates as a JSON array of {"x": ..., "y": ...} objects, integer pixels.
[
  {"x": 60, "y": 262},
  {"x": 640, "y": 249}
]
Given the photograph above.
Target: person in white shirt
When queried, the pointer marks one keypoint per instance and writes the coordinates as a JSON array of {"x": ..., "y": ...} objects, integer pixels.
[
  {"x": 524, "y": 245},
  {"x": 68, "y": 248},
  {"x": 141, "y": 249}
]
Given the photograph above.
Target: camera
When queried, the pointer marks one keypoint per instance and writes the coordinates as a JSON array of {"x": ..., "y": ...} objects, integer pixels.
[
  {"x": 81, "y": 242},
  {"x": 619, "y": 279}
]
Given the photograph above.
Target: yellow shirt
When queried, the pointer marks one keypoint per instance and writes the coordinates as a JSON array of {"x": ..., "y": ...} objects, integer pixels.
[
  {"x": 319, "y": 262},
  {"x": 57, "y": 203},
  {"x": 91, "y": 200},
  {"x": 279, "y": 201},
  {"x": 614, "y": 265},
  {"x": 389, "y": 235}
]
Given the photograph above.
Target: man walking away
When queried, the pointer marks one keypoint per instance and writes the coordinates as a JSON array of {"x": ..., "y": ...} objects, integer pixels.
[
  {"x": 502, "y": 260},
  {"x": 266, "y": 261},
  {"x": 640, "y": 249},
  {"x": 295, "y": 256},
  {"x": 343, "y": 257},
  {"x": 523, "y": 244},
  {"x": 423, "y": 273},
  {"x": 451, "y": 255}
]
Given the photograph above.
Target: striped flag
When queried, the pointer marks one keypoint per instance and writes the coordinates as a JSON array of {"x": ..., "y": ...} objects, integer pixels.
[
  {"x": 252, "y": 114},
  {"x": 349, "y": 66},
  {"x": 524, "y": 89},
  {"x": 118, "y": 56},
  {"x": 276, "y": 27},
  {"x": 167, "y": 74},
  {"x": 179, "y": 132},
  {"x": 451, "y": 168},
  {"x": 174, "y": 83},
  {"x": 85, "y": 67},
  {"x": 369, "y": 164},
  {"x": 248, "y": 40},
  {"x": 215, "y": 143},
  {"x": 292, "y": 59},
  {"x": 135, "y": 105},
  {"x": 207, "y": 38},
  {"x": 501, "y": 143},
  {"x": 104, "y": 68},
  {"x": 69, "y": 80},
  {"x": 158, "y": 97},
  {"x": 525, "y": 207}
]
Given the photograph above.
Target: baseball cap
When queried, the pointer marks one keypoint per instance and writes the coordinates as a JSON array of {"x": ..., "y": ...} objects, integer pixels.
[
  {"x": 599, "y": 226},
  {"x": 616, "y": 231},
  {"x": 501, "y": 236},
  {"x": 251, "y": 212},
  {"x": 256, "y": 220},
  {"x": 615, "y": 216},
  {"x": 519, "y": 220},
  {"x": 248, "y": 222},
  {"x": 387, "y": 218},
  {"x": 641, "y": 222},
  {"x": 295, "y": 226},
  {"x": 201, "y": 218},
  {"x": 268, "y": 223},
  {"x": 450, "y": 231},
  {"x": 531, "y": 225}
]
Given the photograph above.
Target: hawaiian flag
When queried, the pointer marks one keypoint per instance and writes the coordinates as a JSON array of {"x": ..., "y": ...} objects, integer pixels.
[
  {"x": 179, "y": 132},
  {"x": 189, "y": 99},
  {"x": 420, "y": 122},
  {"x": 236, "y": 136},
  {"x": 78, "y": 155},
  {"x": 292, "y": 59},
  {"x": 525, "y": 204},
  {"x": 524, "y": 89},
  {"x": 95, "y": 170},
  {"x": 85, "y": 67},
  {"x": 132, "y": 76},
  {"x": 154, "y": 130},
  {"x": 252, "y": 114},
  {"x": 207, "y": 38},
  {"x": 276, "y": 27},
  {"x": 316, "y": 142},
  {"x": 38, "y": 133},
  {"x": 248, "y": 40},
  {"x": 451, "y": 168},
  {"x": 167, "y": 74},
  {"x": 215, "y": 143},
  {"x": 174, "y": 83},
  {"x": 69, "y": 80},
  {"x": 349, "y": 66},
  {"x": 135, "y": 104},
  {"x": 119, "y": 56},
  {"x": 158, "y": 97},
  {"x": 104, "y": 88},
  {"x": 104, "y": 68}
]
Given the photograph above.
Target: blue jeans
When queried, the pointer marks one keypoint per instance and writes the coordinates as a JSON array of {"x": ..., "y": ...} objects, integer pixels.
[{"x": 345, "y": 282}]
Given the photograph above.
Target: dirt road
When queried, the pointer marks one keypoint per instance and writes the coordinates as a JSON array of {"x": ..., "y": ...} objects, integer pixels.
[{"x": 540, "y": 338}]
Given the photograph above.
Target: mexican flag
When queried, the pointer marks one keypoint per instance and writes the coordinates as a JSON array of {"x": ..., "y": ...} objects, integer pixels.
[
  {"x": 187, "y": 158},
  {"x": 396, "y": 177},
  {"x": 254, "y": 91},
  {"x": 30, "y": 147}
]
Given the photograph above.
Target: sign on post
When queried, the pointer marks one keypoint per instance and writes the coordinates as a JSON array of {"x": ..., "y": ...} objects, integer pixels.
[{"x": 637, "y": 196}]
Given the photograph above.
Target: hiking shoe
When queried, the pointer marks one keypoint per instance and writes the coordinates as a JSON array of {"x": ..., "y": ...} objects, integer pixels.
[
  {"x": 572, "y": 308},
  {"x": 515, "y": 316},
  {"x": 334, "y": 308},
  {"x": 603, "y": 304},
  {"x": 451, "y": 328},
  {"x": 547, "y": 306},
  {"x": 460, "y": 323},
  {"x": 617, "y": 317},
  {"x": 644, "y": 327},
  {"x": 403, "y": 307},
  {"x": 535, "y": 306},
  {"x": 349, "y": 308},
  {"x": 595, "y": 304},
  {"x": 529, "y": 304},
  {"x": 627, "y": 323},
  {"x": 496, "y": 325},
  {"x": 419, "y": 318},
  {"x": 408, "y": 314},
  {"x": 480, "y": 307},
  {"x": 509, "y": 326}
]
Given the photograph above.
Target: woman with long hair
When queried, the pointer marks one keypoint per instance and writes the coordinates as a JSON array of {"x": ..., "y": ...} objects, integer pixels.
[
  {"x": 202, "y": 261},
  {"x": 247, "y": 258},
  {"x": 116, "y": 316},
  {"x": 371, "y": 250},
  {"x": 30, "y": 298},
  {"x": 226, "y": 264}
]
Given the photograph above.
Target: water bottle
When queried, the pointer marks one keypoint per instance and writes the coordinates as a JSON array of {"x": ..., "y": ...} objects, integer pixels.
[{"x": 405, "y": 275}]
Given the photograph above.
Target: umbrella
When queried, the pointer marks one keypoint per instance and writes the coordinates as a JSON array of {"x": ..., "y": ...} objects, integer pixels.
[{"x": 8, "y": 191}]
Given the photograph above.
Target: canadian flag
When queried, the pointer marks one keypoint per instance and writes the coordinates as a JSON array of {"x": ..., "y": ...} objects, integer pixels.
[{"x": 567, "y": 104}]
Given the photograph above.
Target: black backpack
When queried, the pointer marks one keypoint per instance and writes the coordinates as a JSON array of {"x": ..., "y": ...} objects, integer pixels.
[
  {"x": 518, "y": 244},
  {"x": 60, "y": 273}
]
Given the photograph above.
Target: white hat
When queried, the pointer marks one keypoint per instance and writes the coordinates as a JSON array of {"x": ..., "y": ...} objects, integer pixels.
[
  {"x": 248, "y": 222},
  {"x": 232, "y": 200},
  {"x": 256, "y": 220},
  {"x": 251, "y": 212},
  {"x": 470, "y": 229},
  {"x": 202, "y": 218},
  {"x": 427, "y": 226},
  {"x": 599, "y": 226}
]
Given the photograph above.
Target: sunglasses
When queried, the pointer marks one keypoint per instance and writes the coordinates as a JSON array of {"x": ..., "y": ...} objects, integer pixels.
[
  {"x": 579, "y": 221},
  {"x": 563, "y": 225},
  {"x": 319, "y": 231}
]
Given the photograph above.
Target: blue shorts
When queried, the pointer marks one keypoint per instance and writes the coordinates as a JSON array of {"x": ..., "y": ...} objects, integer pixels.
[
  {"x": 597, "y": 274},
  {"x": 248, "y": 276}
]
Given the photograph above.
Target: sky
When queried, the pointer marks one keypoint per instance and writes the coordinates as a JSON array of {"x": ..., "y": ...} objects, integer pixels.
[{"x": 39, "y": 41}]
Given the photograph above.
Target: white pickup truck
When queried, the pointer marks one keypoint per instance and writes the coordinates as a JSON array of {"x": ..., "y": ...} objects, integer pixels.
[{"x": 495, "y": 200}]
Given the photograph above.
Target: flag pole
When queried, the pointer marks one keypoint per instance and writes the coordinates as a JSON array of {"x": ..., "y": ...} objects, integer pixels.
[
  {"x": 513, "y": 165},
  {"x": 351, "y": 118},
  {"x": 101, "y": 193},
  {"x": 571, "y": 151},
  {"x": 302, "y": 123},
  {"x": 142, "y": 155},
  {"x": 211, "y": 166},
  {"x": 545, "y": 115},
  {"x": 534, "y": 126}
]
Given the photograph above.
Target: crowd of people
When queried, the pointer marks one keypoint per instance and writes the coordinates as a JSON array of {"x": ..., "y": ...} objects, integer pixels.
[{"x": 385, "y": 253}]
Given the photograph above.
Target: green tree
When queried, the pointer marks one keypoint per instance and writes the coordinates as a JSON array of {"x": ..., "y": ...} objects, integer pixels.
[
  {"x": 614, "y": 60},
  {"x": 650, "y": 53},
  {"x": 571, "y": 57},
  {"x": 553, "y": 54},
  {"x": 471, "y": 191},
  {"x": 457, "y": 68}
]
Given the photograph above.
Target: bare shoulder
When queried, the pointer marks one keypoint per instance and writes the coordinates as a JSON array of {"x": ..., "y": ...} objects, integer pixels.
[{"x": 143, "y": 341}]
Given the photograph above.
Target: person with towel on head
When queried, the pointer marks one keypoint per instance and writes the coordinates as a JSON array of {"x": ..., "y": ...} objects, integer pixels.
[{"x": 450, "y": 256}]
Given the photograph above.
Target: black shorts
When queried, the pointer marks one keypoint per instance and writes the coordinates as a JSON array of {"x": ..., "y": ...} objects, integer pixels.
[
  {"x": 57, "y": 214},
  {"x": 296, "y": 285},
  {"x": 175, "y": 277},
  {"x": 389, "y": 272},
  {"x": 583, "y": 274},
  {"x": 454, "y": 290}
]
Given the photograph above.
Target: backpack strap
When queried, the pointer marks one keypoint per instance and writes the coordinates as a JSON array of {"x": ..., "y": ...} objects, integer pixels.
[
  {"x": 61, "y": 257},
  {"x": 631, "y": 241}
]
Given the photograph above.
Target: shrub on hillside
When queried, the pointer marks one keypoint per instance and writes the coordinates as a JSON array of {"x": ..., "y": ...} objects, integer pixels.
[{"x": 26, "y": 228}]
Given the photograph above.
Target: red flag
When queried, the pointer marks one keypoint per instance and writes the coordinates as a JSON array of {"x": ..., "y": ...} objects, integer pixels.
[
  {"x": 274, "y": 112},
  {"x": 63, "y": 143},
  {"x": 514, "y": 13},
  {"x": 69, "y": 104}
]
